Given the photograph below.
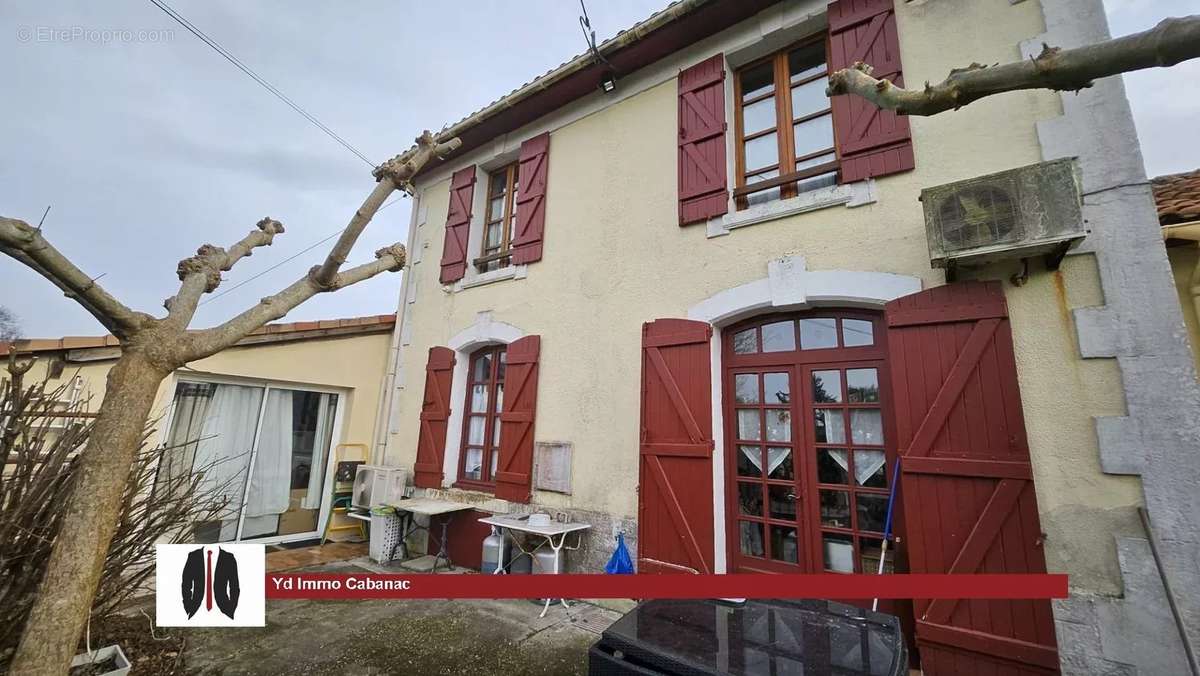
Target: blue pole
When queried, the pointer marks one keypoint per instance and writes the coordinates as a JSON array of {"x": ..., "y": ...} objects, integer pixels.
[
  {"x": 887, "y": 525},
  {"x": 887, "y": 528}
]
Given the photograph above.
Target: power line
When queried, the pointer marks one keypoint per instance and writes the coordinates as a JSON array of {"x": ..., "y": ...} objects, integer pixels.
[
  {"x": 289, "y": 258},
  {"x": 256, "y": 77}
]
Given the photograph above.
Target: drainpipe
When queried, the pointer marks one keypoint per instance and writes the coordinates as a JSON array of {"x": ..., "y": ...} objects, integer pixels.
[{"x": 383, "y": 417}]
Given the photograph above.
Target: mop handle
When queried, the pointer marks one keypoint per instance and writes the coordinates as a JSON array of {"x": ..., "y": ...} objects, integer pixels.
[{"x": 887, "y": 526}]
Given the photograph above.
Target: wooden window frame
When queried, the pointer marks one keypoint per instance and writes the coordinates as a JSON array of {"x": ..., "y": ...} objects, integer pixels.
[
  {"x": 785, "y": 139},
  {"x": 490, "y": 445},
  {"x": 799, "y": 363},
  {"x": 509, "y": 174}
]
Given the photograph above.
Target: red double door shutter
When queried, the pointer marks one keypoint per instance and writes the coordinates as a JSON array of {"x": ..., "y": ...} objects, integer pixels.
[
  {"x": 515, "y": 466},
  {"x": 967, "y": 484},
  {"x": 675, "y": 495}
]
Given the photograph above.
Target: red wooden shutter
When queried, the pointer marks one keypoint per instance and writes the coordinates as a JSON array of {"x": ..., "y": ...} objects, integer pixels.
[
  {"x": 675, "y": 494},
  {"x": 514, "y": 471},
  {"x": 435, "y": 412},
  {"x": 967, "y": 485},
  {"x": 702, "y": 181},
  {"x": 458, "y": 225},
  {"x": 870, "y": 142},
  {"x": 531, "y": 200}
]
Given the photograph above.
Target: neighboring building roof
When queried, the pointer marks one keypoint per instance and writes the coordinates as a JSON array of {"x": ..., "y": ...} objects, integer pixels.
[
  {"x": 271, "y": 333},
  {"x": 679, "y": 24},
  {"x": 1177, "y": 197}
]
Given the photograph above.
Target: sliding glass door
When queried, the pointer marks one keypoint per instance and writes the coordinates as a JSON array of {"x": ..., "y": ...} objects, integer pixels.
[{"x": 263, "y": 449}]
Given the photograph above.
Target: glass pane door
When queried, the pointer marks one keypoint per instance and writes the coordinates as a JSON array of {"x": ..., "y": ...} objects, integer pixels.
[
  {"x": 263, "y": 450},
  {"x": 847, "y": 445},
  {"x": 212, "y": 434},
  {"x": 767, "y": 490},
  {"x": 288, "y": 479}
]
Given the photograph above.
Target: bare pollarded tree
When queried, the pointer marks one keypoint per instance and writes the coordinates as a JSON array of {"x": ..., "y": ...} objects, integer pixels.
[
  {"x": 151, "y": 348},
  {"x": 1172, "y": 41}
]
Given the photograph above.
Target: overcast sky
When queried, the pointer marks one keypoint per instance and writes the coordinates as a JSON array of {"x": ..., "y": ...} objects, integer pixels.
[{"x": 149, "y": 147}]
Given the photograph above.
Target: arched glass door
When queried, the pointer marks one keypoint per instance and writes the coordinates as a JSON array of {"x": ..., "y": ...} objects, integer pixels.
[{"x": 807, "y": 455}]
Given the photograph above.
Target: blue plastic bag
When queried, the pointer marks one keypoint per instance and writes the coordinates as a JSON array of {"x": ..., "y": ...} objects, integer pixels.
[{"x": 620, "y": 563}]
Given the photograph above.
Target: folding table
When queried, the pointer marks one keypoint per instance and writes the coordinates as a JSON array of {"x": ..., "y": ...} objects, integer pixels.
[{"x": 548, "y": 532}]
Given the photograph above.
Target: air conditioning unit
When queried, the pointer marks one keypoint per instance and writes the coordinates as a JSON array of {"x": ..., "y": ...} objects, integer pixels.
[
  {"x": 375, "y": 486},
  {"x": 1018, "y": 213}
]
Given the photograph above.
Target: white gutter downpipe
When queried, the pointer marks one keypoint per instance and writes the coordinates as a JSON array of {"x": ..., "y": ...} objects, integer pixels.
[{"x": 383, "y": 417}]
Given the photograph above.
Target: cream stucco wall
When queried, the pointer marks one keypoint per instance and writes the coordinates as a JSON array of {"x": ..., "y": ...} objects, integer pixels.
[
  {"x": 355, "y": 365},
  {"x": 1185, "y": 267},
  {"x": 615, "y": 258}
]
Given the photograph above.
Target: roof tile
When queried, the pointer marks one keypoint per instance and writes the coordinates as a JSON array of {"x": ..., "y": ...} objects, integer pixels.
[
  {"x": 368, "y": 323},
  {"x": 1177, "y": 197}
]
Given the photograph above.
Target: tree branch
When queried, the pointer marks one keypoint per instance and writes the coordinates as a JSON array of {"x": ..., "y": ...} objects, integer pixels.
[
  {"x": 206, "y": 342},
  {"x": 25, "y": 243},
  {"x": 393, "y": 174},
  {"x": 1173, "y": 40},
  {"x": 201, "y": 274}
]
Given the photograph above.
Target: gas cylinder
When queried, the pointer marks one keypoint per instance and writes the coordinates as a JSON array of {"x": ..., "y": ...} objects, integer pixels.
[
  {"x": 493, "y": 552},
  {"x": 548, "y": 561}
]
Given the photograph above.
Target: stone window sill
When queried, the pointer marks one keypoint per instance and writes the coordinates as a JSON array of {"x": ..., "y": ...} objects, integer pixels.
[
  {"x": 851, "y": 195},
  {"x": 490, "y": 277}
]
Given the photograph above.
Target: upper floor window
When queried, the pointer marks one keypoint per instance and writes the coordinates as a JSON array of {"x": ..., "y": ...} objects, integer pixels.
[
  {"x": 784, "y": 126},
  {"x": 481, "y": 424},
  {"x": 503, "y": 186}
]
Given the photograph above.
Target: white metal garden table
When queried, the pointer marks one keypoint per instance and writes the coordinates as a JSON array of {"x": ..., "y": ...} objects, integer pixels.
[{"x": 553, "y": 535}]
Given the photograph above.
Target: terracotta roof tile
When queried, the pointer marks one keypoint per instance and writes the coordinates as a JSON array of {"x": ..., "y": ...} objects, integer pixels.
[
  {"x": 1177, "y": 197},
  {"x": 362, "y": 324}
]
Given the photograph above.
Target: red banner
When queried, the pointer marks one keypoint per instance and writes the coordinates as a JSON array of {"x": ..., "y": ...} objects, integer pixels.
[{"x": 900, "y": 586}]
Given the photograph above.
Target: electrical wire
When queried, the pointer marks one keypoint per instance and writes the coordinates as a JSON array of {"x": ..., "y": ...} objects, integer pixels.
[
  {"x": 289, "y": 258},
  {"x": 191, "y": 28},
  {"x": 179, "y": 18}
]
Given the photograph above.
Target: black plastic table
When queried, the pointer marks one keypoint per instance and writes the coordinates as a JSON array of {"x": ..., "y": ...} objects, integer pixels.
[{"x": 776, "y": 637}]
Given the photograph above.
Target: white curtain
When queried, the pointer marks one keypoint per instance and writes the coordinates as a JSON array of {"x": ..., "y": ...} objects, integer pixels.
[
  {"x": 271, "y": 480},
  {"x": 321, "y": 440},
  {"x": 866, "y": 463},
  {"x": 223, "y": 452},
  {"x": 191, "y": 407}
]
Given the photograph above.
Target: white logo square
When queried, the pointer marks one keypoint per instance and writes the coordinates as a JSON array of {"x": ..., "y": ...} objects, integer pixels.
[{"x": 217, "y": 585}]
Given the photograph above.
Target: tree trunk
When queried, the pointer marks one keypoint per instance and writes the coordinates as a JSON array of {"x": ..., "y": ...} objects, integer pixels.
[{"x": 91, "y": 516}]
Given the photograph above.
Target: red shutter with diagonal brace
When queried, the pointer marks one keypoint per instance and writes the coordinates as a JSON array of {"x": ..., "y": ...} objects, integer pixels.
[
  {"x": 458, "y": 225},
  {"x": 870, "y": 141},
  {"x": 967, "y": 483},
  {"x": 675, "y": 486},
  {"x": 435, "y": 412},
  {"x": 531, "y": 200},
  {"x": 702, "y": 180},
  {"x": 514, "y": 471}
]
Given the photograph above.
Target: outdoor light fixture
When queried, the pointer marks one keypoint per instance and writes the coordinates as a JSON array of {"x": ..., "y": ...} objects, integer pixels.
[{"x": 609, "y": 82}]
